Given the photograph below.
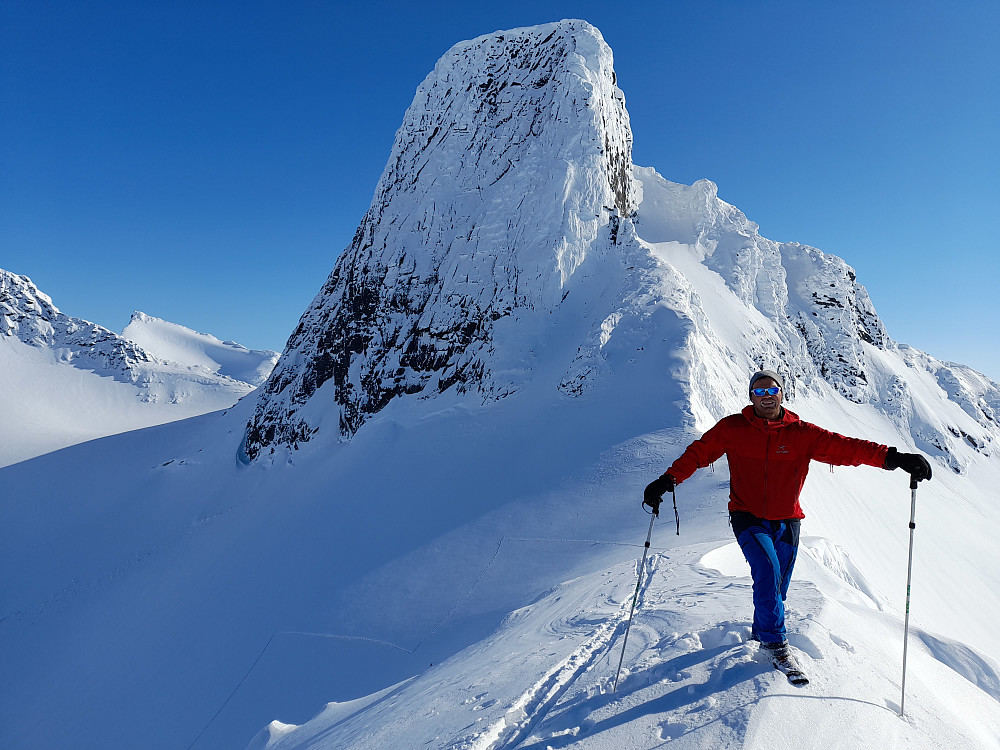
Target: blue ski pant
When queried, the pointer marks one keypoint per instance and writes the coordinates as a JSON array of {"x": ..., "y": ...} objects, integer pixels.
[{"x": 770, "y": 548}]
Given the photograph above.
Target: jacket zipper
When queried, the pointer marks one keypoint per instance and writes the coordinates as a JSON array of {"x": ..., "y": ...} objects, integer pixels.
[{"x": 767, "y": 455}]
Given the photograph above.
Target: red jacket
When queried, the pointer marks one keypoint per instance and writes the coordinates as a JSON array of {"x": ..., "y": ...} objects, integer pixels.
[{"x": 768, "y": 461}]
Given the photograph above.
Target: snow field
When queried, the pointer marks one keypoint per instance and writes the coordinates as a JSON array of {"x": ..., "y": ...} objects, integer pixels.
[{"x": 691, "y": 678}]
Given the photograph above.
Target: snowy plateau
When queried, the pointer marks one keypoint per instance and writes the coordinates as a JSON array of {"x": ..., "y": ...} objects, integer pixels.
[{"x": 423, "y": 530}]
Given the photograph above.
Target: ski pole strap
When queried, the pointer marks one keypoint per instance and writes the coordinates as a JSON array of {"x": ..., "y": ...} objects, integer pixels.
[{"x": 677, "y": 517}]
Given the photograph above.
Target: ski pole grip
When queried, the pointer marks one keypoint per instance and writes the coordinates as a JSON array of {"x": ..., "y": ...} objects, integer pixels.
[{"x": 913, "y": 482}]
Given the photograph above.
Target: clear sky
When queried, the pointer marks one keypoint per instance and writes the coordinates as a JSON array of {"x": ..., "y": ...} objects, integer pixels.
[{"x": 205, "y": 162}]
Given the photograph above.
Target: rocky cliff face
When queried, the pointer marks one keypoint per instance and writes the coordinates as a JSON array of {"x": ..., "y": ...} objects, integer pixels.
[{"x": 513, "y": 160}]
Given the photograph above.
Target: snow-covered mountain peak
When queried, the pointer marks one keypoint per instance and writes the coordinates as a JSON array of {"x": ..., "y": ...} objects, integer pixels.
[
  {"x": 511, "y": 169},
  {"x": 177, "y": 343},
  {"x": 512, "y": 243}
]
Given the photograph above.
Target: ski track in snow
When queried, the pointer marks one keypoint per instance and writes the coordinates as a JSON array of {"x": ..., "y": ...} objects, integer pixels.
[
  {"x": 560, "y": 708},
  {"x": 691, "y": 678},
  {"x": 534, "y": 704}
]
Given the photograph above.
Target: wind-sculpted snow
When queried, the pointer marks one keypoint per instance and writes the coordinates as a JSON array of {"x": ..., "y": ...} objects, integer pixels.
[{"x": 512, "y": 167}]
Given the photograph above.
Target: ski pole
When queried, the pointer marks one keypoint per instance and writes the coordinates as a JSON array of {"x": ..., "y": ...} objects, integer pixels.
[
  {"x": 677, "y": 517},
  {"x": 635, "y": 597},
  {"x": 909, "y": 572}
]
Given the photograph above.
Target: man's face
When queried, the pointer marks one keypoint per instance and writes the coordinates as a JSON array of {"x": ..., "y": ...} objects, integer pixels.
[{"x": 766, "y": 406}]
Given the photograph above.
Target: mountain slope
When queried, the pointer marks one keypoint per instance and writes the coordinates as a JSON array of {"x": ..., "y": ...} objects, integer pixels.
[
  {"x": 67, "y": 380},
  {"x": 260, "y": 593}
]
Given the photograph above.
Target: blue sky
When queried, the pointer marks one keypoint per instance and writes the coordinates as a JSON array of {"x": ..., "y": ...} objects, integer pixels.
[{"x": 206, "y": 162}]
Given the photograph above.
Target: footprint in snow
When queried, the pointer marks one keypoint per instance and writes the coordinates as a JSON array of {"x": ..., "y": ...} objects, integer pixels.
[
  {"x": 842, "y": 643},
  {"x": 671, "y": 730}
]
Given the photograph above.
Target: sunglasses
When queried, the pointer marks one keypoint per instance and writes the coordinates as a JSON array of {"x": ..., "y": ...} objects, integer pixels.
[{"x": 772, "y": 391}]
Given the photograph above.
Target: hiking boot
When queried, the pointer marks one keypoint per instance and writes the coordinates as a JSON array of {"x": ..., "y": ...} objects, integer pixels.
[{"x": 776, "y": 649}]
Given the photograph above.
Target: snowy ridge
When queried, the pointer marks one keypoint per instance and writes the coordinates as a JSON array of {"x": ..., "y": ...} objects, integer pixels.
[
  {"x": 808, "y": 317},
  {"x": 511, "y": 165},
  {"x": 67, "y": 380},
  {"x": 28, "y": 314},
  {"x": 692, "y": 677}
]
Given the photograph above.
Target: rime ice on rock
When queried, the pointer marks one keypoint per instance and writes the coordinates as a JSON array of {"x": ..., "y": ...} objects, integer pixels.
[{"x": 513, "y": 160}]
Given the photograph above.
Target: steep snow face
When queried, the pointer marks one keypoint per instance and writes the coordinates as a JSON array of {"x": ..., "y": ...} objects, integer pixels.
[
  {"x": 176, "y": 343},
  {"x": 817, "y": 313},
  {"x": 512, "y": 167}
]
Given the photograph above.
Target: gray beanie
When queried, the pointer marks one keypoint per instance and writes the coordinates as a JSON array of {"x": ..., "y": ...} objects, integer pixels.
[{"x": 767, "y": 374}]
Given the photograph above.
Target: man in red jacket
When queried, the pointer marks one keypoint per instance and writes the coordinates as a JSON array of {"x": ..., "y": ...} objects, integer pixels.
[{"x": 769, "y": 449}]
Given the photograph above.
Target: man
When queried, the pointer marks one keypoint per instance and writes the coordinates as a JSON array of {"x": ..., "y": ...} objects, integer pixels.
[{"x": 769, "y": 449}]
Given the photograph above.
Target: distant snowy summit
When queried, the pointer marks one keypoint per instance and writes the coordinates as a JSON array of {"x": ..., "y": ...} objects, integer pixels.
[
  {"x": 67, "y": 380},
  {"x": 175, "y": 343},
  {"x": 512, "y": 244},
  {"x": 149, "y": 353}
]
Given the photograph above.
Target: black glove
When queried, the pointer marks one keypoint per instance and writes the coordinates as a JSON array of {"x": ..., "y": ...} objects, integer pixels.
[
  {"x": 912, "y": 463},
  {"x": 654, "y": 492}
]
